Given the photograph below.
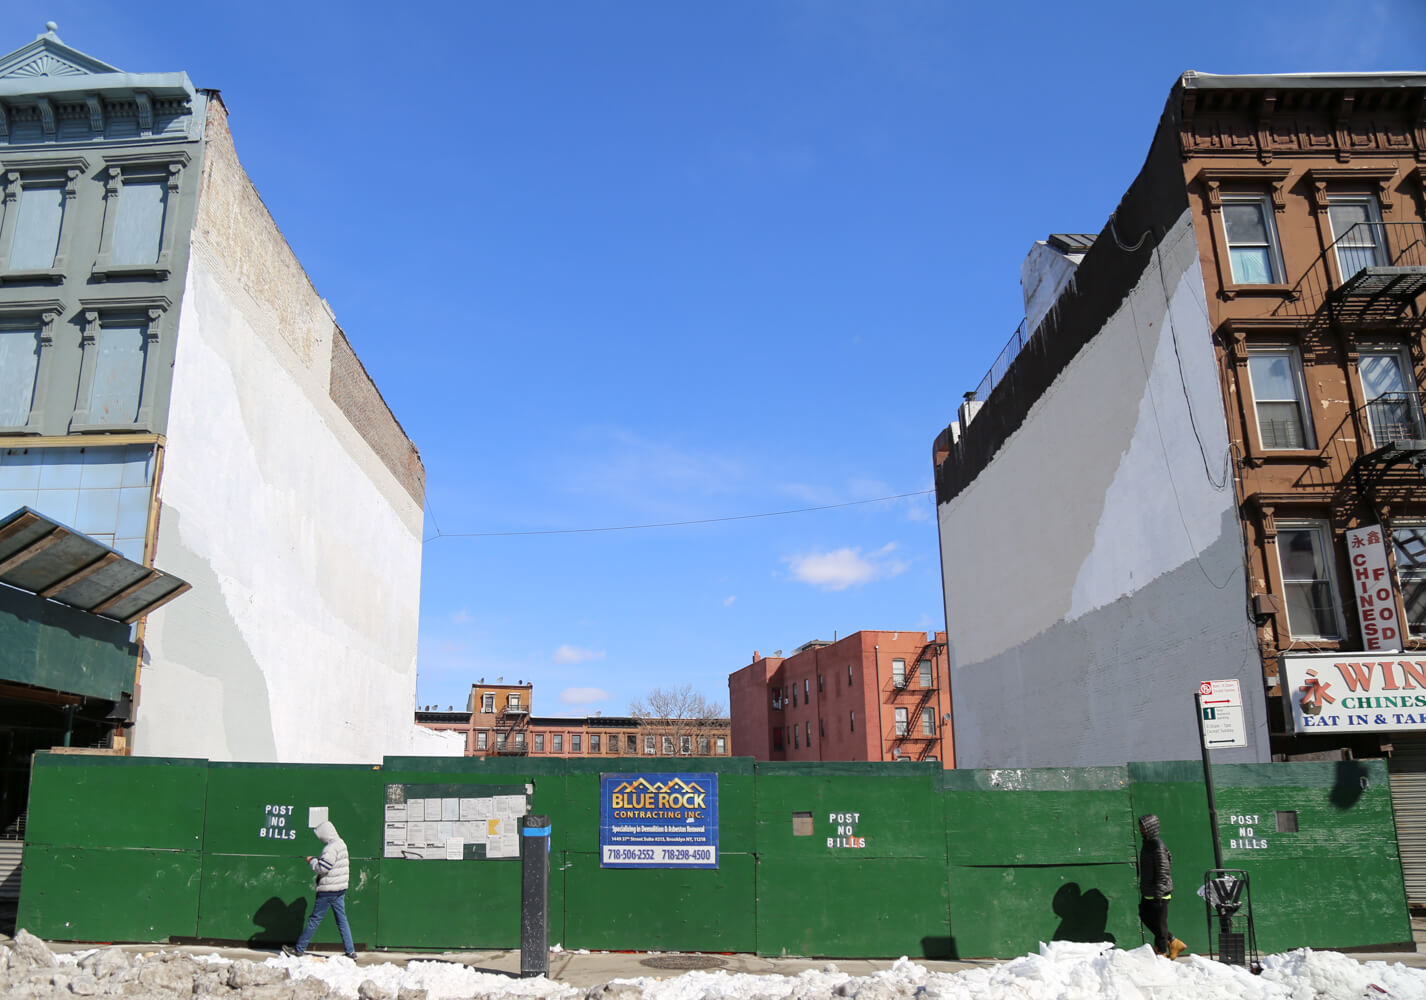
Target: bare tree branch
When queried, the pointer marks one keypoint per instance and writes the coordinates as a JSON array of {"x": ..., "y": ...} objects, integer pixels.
[{"x": 678, "y": 717}]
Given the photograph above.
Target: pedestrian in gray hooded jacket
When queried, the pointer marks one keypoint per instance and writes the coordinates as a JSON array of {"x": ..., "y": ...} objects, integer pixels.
[
  {"x": 1156, "y": 887},
  {"x": 333, "y": 874}
]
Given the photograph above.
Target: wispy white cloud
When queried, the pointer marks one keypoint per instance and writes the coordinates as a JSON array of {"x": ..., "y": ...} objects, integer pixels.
[
  {"x": 461, "y": 617},
  {"x": 574, "y": 654},
  {"x": 583, "y": 696},
  {"x": 845, "y": 567},
  {"x": 728, "y": 601}
]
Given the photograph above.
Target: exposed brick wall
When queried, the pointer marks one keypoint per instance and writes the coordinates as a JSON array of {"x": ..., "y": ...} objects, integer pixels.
[
  {"x": 235, "y": 225},
  {"x": 356, "y": 395}
]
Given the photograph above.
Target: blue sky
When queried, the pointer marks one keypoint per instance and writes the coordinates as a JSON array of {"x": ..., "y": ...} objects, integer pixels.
[{"x": 623, "y": 263}]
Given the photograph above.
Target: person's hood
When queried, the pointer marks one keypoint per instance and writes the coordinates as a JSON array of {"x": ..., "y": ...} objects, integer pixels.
[
  {"x": 327, "y": 833},
  {"x": 1148, "y": 823}
]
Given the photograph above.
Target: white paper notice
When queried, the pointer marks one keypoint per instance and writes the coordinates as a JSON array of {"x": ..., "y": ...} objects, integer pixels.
[
  {"x": 450, "y": 810},
  {"x": 433, "y": 810},
  {"x": 455, "y": 849},
  {"x": 396, "y": 813},
  {"x": 467, "y": 809},
  {"x": 316, "y": 816}
]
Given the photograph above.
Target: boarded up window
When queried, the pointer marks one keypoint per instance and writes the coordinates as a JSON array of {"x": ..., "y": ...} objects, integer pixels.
[
  {"x": 19, "y": 365},
  {"x": 138, "y": 228},
  {"x": 37, "y": 220},
  {"x": 122, "y": 351}
]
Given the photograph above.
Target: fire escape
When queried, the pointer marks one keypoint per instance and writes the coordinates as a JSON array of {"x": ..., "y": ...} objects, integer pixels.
[
  {"x": 511, "y": 728},
  {"x": 912, "y": 741}
]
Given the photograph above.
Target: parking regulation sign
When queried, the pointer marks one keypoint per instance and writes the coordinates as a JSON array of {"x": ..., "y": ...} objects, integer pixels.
[{"x": 1220, "y": 705}]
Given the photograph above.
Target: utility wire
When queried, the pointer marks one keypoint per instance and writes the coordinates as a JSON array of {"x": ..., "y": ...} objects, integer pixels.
[{"x": 672, "y": 524}]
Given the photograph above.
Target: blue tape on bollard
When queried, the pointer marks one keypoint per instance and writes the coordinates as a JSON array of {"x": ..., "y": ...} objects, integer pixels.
[{"x": 536, "y": 831}]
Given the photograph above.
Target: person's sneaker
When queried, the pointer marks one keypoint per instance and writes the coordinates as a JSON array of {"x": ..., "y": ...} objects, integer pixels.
[
  {"x": 351, "y": 955},
  {"x": 287, "y": 949},
  {"x": 1176, "y": 948}
]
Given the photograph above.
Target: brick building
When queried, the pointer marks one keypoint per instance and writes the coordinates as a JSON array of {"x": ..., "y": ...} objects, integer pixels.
[
  {"x": 873, "y": 695},
  {"x": 1210, "y": 447},
  {"x": 498, "y": 720}
]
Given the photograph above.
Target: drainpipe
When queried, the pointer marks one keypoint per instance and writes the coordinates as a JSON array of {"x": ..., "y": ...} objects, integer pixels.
[
  {"x": 880, "y": 722},
  {"x": 68, "y": 724}
]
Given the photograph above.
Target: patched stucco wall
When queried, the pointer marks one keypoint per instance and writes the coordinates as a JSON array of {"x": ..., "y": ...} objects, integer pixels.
[
  {"x": 1094, "y": 569},
  {"x": 298, "y": 639}
]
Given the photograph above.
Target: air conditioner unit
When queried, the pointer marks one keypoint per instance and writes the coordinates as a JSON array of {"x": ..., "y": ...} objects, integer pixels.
[{"x": 898, "y": 682}]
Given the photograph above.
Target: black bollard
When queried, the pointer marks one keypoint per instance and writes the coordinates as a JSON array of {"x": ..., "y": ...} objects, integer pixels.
[{"x": 535, "y": 896}]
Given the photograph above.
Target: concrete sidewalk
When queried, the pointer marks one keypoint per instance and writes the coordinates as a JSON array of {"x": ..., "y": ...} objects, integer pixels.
[{"x": 594, "y": 968}]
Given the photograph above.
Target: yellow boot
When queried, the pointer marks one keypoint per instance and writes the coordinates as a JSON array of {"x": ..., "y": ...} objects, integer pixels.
[{"x": 1176, "y": 948}]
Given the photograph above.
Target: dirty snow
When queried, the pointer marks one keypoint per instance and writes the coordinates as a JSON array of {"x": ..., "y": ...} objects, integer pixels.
[{"x": 1060, "y": 971}]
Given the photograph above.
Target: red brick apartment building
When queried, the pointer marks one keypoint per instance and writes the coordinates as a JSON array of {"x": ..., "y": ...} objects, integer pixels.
[
  {"x": 498, "y": 721},
  {"x": 873, "y": 695}
]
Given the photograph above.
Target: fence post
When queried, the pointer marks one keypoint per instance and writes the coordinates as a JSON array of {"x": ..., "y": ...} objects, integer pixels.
[{"x": 534, "y": 896}]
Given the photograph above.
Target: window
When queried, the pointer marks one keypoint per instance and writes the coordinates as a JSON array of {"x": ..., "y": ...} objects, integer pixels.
[
  {"x": 1304, "y": 553},
  {"x": 703, "y": 746},
  {"x": 808, "y": 731},
  {"x": 33, "y": 237},
  {"x": 820, "y": 688},
  {"x": 512, "y": 702},
  {"x": 777, "y": 738},
  {"x": 539, "y": 743},
  {"x": 576, "y": 743},
  {"x": 777, "y": 699},
  {"x": 898, "y": 673},
  {"x": 849, "y": 675},
  {"x": 631, "y": 744},
  {"x": 487, "y": 702},
  {"x": 499, "y": 741},
  {"x": 923, "y": 669},
  {"x": 1280, "y": 401},
  {"x": 854, "y": 720},
  {"x": 668, "y": 746},
  {"x": 1410, "y": 544},
  {"x": 137, "y": 237},
  {"x": 116, "y": 369},
  {"x": 21, "y": 342},
  {"x": 481, "y": 740},
  {"x": 557, "y": 742},
  {"x": 1252, "y": 240},
  {"x": 807, "y": 690},
  {"x": 1393, "y": 404},
  {"x": 901, "y": 722},
  {"x": 685, "y": 744},
  {"x": 796, "y": 738},
  {"x": 649, "y": 745},
  {"x": 928, "y": 724},
  {"x": 594, "y": 743},
  {"x": 720, "y": 745},
  {"x": 1357, "y": 233},
  {"x": 1286, "y": 820},
  {"x": 520, "y": 740},
  {"x": 794, "y": 695},
  {"x": 822, "y": 728}
]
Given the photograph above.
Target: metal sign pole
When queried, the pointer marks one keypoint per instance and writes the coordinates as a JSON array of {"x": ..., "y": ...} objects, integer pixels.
[{"x": 1208, "y": 783}]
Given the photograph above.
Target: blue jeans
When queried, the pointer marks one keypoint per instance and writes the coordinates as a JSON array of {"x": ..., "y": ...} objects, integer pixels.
[{"x": 337, "y": 903}]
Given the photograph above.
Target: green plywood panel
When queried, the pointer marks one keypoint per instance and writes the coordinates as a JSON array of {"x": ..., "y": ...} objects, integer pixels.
[
  {"x": 660, "y": 909},
  {"x": 265, "y": 900},
  {"x": 452, "y": 904},
  {"x": 873, "y": 908},
  {"x": 866, "y": 811},
  {"x": 242, "y": 799},
  {"x": 1182, "y": 808},
  {"x": 1005, "y": 911},
  {"x": 1046, "y": 828},
  {"x": 141, "y": 802},
  {"x": 578, "y": 814},
  {"x": 1329, "y": 903},
  {"x": 103, "y": 894}
]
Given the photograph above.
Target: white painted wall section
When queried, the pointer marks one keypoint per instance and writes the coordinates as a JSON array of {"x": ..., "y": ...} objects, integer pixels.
[
  {"x": 298, "y": 640},
  {"x": 1094, "y": 569}
]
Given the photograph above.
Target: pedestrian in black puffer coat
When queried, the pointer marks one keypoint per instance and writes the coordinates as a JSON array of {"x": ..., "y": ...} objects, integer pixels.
[{"x": 1156, "y": 887}]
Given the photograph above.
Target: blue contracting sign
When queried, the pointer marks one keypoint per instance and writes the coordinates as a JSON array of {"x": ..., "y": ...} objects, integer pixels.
[{"x": 660, "y": 820}]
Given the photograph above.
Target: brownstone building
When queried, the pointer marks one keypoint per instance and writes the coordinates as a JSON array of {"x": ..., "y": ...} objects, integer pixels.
[
  {"x": 498, "y": 721},
  {"x": 1209, "y": 435},
  {"x": 873, "y": 695}
]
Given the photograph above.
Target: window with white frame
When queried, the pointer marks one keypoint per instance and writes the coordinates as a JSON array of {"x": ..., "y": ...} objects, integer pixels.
[
  {"x": 481, "y": 740},
  {"x": 539, "y": 743},
  {"x": 900, "y": 722},
  {"x": 703, "y": 746},
  {"x": 1253, "y": 254},
  {"x": 923, "y": 669},
  {"x": 520, "y": 738},
  {"x": 685, "y": 744},
  {"x": 1389, "y": 384},
  {"x": 928, "y": 723},
  {"x": 720, "y": 745},
  {"x": 594, "y": 742},
  {"x": 898, "y": 673},
  {"x": 649, "y": 745},
  {"x": 500, "y": 739},
  {"x": 1280, "y": 399},
  {"x": 487, "y": 702},
  {"x": 1304, "y": 552},
  {"x": 1409, "y": 540},
  {"x": 1358, "y": 237},
  {"x": 668, "y": 746},
  {"x": 512, "y": 702},
  {"x": 117, "y": 367}
]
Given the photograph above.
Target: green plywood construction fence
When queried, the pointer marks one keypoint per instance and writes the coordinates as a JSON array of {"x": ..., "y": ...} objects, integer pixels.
[{"x": 815, "y": 859}]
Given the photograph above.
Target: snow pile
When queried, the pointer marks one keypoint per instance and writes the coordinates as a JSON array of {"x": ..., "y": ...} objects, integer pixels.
[{"x": 1061, "y": 971}]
